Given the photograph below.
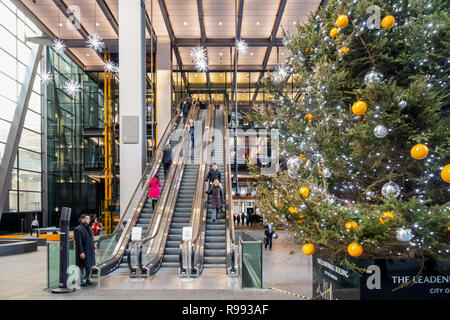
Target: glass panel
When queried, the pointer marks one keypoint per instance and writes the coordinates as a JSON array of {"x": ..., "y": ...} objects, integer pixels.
[
  {"x": 8, "y": 64},
  {"x": 33, "y": 121},
  {"x": 8, "y": 87},
  {"x": 7, "y": 108},
  {"x": 2, "y": 149},
  {"x": 29, "y": 160},
  {"x": 30, "y": 201},
  {"x": 30, "y": 140},
  {"x": 29, "y": 181},
  {"x": 13, "y": 207},
  {"x": 8, "y": 19},
  {"x": 9, "y": 42},
  {"x": 53, "y": 262},
  {"x": 4, "y": 130}
]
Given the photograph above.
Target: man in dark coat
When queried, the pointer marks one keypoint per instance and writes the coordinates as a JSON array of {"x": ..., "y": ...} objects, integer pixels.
[
  {"x": 185, "y": 109},
  {"x": 167, "y": 159},
  {"x": 213, "y": 174},
  {"x": 85, "y": 249}
]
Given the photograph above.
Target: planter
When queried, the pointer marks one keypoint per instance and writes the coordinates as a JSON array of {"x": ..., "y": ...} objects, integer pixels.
[{"x": 381, "y": 278}]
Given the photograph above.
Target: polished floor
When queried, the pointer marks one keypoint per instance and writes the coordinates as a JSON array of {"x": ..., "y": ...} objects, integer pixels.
[{"x": 285, "y": 268}]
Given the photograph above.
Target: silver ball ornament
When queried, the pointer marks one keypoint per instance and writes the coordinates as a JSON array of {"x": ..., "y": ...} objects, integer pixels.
[
  {"x": 404, "y": 235},
  {"x": 327, "y": 173},
  {"x": 294, "y": 164},
  {"x": 380, "y": 131},
  {"x": 370, "y": 194},
  {"x": 372, "y": 77},
  {"x": 390, "y": 190},
  {"x": 402, "y": 104}
]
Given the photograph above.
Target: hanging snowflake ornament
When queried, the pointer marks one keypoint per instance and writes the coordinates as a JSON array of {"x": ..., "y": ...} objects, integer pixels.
[
  {"x": 198, "y": 54},
  {"x": 72, "y": 87},
  {"x": 281, "y": 72},
  {"x": 241, "y": 46},
  {"x": 202, "y": 66},
  {"x": 59, "y": 46},
  {"x": 46, "y": 78},
  {"x": 111, "y": 67},
  {"x": 95, "y": 42}
]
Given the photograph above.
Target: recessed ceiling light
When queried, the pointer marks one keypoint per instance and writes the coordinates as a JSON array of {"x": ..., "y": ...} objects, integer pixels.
[
  {"x": 97, "y": 24},
  {"x": 220, "y": 53},
  {"x": 294, "y": 23},
  {"x": 60, "y": 24},
  {"x": 282, "y": 53},
  {"x": 257, "y": 23},
  {"x": 185, "y": 23},
  {"x": 87, "y": 54},
  {"x": 251, "y": 53},
  {"x": 220, "y": 23}
]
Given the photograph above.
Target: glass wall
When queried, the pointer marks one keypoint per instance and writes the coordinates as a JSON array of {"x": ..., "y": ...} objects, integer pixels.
[
  {"x": 68, "y": 151},
  {"x": 25, "y": 193}
]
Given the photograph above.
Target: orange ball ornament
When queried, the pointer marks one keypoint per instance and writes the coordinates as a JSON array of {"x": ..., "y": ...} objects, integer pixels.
[
  {"x": 308, "y": 117},
  {"x": 308, "y": 249},
  {"x": 388, "y": 22},
  {"x": 419, "y": 151},
  {"x": 304, "y": 191},
  {"x": 351, "y": 225},
  {"x": 359, "y": 108},
  {"x": 343, "y": 50},
  {"x": 293, "y": 210},
  {"x": 334, "y": 32},
  {"x": 386, "y": 216},
  {"x": 445, "y": 173},
  {"x": 342, "y": 21},
  {"x": 301, "y": 156},
  {"x": 355, "y": 249}
]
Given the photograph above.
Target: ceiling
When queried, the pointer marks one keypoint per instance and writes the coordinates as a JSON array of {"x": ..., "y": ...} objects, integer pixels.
[{"x": 259, "y": 18}]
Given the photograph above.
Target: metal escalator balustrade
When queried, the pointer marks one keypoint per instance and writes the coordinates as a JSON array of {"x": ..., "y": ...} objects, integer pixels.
[
  {"x": 151, "y": 252},
  {"x": 111, "y": 249}
]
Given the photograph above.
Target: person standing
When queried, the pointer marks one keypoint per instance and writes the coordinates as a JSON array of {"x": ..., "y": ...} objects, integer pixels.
[
  {"x": 185, "y": 109},
  {"x": 34, "y": 226},
  {"x": 167, "y": 159},
  {"x": 268, "y": 234},
  {"x": 154, "y": 192},
  {"x": 217, "y": 199},
  {"x": 96, "y": 227},
  {"x": 243, "y": 218},
  {"x": 192, "y": 131},
  {"x": 85, "y": 249},
  {"x": 238, "y": 218}
]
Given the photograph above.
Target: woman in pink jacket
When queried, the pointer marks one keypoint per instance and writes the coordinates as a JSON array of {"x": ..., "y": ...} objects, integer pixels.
[{"x": 154, "y": 192}]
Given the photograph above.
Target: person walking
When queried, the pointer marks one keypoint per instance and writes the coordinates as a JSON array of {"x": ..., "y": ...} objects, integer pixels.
[
  {"x": 154, "y": 192},
  {"x": 191, "y": 127},
  {"x": 212, "y": 175},
  {"x": 167, "y": 158},
  {"x": 268, "y": 234},
  {"x": 185, "y": 109},
  {"x": 85, "y": 249},
  {"x": 238, "y": 218},
  {"x": 217, "y": 199},
  {"x": 96, "y": 227}
]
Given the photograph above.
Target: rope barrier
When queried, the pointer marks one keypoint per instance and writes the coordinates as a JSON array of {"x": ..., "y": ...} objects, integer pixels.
[{"x": 305, "y": 297}]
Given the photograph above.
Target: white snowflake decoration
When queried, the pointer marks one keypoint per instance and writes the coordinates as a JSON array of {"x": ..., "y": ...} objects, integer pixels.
[
  {"x": 200, "y": 59},
  {"x": 72, "y": 87},
  {"x": 111, "y": 67},
  {"x": 95, "y": 42},
  {"x": 59, "y": 46},
  {"x": 241, "y": 46},
  {"x": 281, "y": 72},
  {"x": 46, "y": 78}
]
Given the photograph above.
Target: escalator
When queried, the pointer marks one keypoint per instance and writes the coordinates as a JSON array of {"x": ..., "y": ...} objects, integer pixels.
[
  {"x": 213, "y": 244},
  {"x": 159, "y": 248},
  {"x": 111, "y": 249},
  {"x": 215, "y": 240}
]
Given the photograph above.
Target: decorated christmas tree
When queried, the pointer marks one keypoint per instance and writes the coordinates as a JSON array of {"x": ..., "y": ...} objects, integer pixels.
[{"x": 366, "y": 138}]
